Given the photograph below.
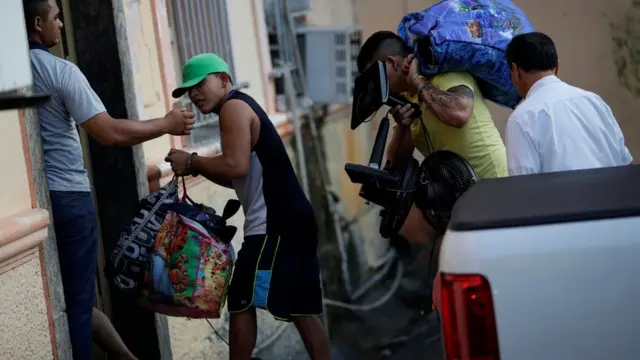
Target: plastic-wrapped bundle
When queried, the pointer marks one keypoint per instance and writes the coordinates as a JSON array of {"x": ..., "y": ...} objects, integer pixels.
[{"x": 471, "y": 36}]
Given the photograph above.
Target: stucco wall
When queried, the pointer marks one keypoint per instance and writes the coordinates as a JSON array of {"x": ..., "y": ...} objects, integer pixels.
[
  {"x": 246, "y": 47},
  {"x": 23, "y": 314},
  {"x": 331, "y": 13},
  {"x": 343, "y": 145},
  {"x": 597, "y": 43},
  {"x": 15, "y": 195},
  {"x": 148, "y": 71},
  {"x": 24, "y": 333}
]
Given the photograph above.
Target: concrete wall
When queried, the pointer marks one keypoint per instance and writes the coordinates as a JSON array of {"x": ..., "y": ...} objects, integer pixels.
[
  {"x": 331, "y": 13},
  {"x": 25, "y": 329},
  {"x": 343, "y": 145},
  {"x": 246, "y": 47},
  {"x": 148, "y": 69},
  {"x": 15, "y": 179},
  {"x": 597, "y": 43},
  {"x": 26, "y": 316}
]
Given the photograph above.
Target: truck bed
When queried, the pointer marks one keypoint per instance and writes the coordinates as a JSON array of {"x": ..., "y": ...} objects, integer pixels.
[
  {"x": 560, "y": 252},
  {"x": 549, "y": 199}
]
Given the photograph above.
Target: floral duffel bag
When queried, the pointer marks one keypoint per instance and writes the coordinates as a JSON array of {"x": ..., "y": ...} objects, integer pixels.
[
  {"x": 191, "y": 262},
  {"x": 176, "y": 256}
]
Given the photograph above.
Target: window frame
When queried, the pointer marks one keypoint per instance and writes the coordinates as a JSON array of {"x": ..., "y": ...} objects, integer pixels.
[{"x": 201, "y": 26}]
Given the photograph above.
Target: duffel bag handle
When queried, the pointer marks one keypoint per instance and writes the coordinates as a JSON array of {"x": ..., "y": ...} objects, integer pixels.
[{"x": 185, "y": 196}]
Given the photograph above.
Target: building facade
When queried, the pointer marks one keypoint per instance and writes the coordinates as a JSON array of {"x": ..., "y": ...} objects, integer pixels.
[
  {"x": 153, "y": 38},
  {"x": 597, "y": 46}
]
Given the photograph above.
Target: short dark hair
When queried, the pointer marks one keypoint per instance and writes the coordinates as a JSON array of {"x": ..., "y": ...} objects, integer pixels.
[
  {"x": 32, "y": 10},
  {"x": 532, "y": 51},
  {"x": 379, "y": 46}
]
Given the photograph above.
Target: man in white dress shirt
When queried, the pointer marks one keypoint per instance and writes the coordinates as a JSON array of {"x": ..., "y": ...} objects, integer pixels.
[{"x": 557, "y": 126}]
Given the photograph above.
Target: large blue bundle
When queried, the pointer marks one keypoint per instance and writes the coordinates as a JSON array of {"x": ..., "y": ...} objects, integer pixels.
[{"x": 471, "y": 36}]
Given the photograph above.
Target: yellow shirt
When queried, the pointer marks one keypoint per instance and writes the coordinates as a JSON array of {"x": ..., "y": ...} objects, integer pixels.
[{"x": 479, "y": 141}]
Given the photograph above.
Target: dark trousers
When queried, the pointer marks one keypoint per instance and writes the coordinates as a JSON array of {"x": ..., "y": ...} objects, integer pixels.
[{"x": 75, "y": 223}]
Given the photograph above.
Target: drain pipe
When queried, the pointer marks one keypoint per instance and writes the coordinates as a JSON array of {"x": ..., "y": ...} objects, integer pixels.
[{"x": 294, "y": 106}]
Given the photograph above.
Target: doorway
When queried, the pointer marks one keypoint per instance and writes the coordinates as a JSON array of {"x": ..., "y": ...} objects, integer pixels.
[{"x": 67, "y": 50}]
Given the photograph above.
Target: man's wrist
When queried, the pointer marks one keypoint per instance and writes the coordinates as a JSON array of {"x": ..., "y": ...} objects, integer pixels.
[
  {"x": 164, "y": 124},
  {"x": 190, "y": 166},
  {"x": 417, "y": 78},
  {"x": 419, "y": 82},
  {"x": 402, "y": 127}
]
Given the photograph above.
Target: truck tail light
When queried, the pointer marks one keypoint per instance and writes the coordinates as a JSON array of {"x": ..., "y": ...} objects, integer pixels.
[{"x": 468, "y": 318}]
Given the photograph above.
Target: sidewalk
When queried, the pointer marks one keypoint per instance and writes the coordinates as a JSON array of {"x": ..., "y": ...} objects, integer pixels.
[{"x": 398, "y": 329}]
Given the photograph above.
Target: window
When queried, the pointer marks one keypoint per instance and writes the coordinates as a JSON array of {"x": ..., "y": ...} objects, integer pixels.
[{"x": 201, "y": 26}]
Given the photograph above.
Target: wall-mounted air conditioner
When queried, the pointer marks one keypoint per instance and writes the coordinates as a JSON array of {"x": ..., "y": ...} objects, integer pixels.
[
  {"x": 296, "y": 8},
  {"x": 330, "y": 57},
  {"x": 299, "y": 7}
]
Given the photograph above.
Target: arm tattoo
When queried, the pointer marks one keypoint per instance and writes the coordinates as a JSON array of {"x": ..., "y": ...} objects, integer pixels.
[
  {"x": 462, "y": 90},
  {"x": 450, "y": 99},
  {"x": 455, "y": 99}
]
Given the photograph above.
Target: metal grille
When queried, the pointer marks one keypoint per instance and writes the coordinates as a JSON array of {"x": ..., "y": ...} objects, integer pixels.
[{"x": 202, "y": 26}]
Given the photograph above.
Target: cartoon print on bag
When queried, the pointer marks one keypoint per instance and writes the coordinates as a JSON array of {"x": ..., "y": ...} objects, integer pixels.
[
  {"x": 474, "y": 29},
  {"x": 504, "y": 18},
  {"x": 179, "y": 241},
  {"x": 464, "y": 6},
  {"x": 179, "y": 276}
]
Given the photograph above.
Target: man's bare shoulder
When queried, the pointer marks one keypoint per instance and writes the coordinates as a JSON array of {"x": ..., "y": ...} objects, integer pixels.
[{"x": 236, "y": 108}]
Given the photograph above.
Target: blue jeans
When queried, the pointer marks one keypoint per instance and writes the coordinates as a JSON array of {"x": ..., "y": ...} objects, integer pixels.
[{"x": 75, "y": 224}]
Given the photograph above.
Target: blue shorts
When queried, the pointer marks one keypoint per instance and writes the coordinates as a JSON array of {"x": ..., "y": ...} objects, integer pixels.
[{"x": 278, "y": 274}]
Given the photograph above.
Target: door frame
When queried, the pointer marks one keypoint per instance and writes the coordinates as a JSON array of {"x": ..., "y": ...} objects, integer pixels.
[{"x": 118, "y": 176}]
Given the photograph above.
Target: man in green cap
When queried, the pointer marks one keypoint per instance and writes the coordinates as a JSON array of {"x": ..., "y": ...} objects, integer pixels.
[{"x": 277, "y": 268}]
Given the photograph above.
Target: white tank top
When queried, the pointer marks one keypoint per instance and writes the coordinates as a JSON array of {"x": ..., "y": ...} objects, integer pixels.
[{"x": 249, "y": 192}]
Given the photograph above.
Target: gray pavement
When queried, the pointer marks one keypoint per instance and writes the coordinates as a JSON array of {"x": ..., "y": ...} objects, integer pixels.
[{"x": 397, "y": 330}]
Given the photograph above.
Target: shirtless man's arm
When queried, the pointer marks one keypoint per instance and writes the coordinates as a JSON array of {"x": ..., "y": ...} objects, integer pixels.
[{"x": 234, "y": 161}]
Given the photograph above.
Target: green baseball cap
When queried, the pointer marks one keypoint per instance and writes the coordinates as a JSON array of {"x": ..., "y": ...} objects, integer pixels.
[{"x": 197, "y": 68}]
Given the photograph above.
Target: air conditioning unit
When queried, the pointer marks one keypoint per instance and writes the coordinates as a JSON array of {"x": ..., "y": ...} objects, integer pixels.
[
  {"x": 329, "y": 55},
  {"x": 299, "y": 7},
  {"x": 296, "y": 8}
]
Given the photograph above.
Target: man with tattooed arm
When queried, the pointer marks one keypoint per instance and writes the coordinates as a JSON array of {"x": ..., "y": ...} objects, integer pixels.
[
  {"x": 454, "y": 117},
  {"x": 454, "y": 114}
]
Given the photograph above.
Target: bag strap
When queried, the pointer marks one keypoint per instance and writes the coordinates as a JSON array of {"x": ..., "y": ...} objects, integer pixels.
[
  {"x": 185, "y": 196},
  {"x": 129, "y": 239}
]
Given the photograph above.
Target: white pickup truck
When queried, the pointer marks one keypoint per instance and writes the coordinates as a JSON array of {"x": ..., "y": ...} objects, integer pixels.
[{"x": 544, "y": 267}]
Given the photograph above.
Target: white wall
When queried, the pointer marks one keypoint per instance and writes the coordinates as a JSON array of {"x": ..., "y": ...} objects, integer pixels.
[{"x": 245, "y": 43}]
